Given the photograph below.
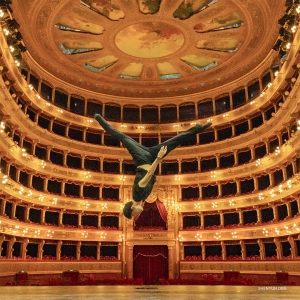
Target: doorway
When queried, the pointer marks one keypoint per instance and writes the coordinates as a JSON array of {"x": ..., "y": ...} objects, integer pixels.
[{"x": 150, "y": 263}]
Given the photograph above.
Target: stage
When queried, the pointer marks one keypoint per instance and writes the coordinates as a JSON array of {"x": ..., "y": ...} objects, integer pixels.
[{"x": 170, "y": 292}]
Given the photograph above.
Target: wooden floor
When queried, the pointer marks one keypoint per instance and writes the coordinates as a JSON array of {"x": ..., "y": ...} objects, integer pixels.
[{"x": 149, "y": 292}]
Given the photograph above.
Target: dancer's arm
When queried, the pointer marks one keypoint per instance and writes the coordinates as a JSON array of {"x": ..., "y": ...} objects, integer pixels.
[{"x": 144, "y": 181}]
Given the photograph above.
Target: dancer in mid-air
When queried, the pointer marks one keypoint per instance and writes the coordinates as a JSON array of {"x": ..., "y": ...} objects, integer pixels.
[{"x": 146, "y": 160}]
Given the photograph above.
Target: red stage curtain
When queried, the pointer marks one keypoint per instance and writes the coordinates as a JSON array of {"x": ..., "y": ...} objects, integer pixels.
[
  {"x": 150, "y": 263},
  {"x": 153, "y": 215}
]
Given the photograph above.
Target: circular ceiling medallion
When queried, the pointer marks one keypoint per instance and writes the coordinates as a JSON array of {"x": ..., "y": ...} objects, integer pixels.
[
  {"x": 149, "y": 39},
  {"x": 151, "y": 48}
]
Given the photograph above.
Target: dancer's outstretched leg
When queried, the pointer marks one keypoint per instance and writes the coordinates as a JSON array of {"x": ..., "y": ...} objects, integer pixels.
[
  {"x": 177, "y": 140},
  {"x": 140, "y": 154}
]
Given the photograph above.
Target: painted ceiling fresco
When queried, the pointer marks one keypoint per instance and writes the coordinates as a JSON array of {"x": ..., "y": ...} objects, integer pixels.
[
  {"x": 150, "y": 39},
  {"x": 174, "y": 47}
]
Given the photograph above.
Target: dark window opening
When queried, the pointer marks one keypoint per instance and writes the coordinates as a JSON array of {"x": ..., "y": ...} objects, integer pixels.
[
  {"x": 150, "y": 115},
  {"x": 131, "y": 114},
  {"x": 59, "y": 129},
  {"x": 110, "y": 193},
  {"x": 263, "y": 182},
  {"x": 56, "y": 158},
  {"x": 244, "y": 157},
  {"x": 227, "y": 161},
  {"x": 51, "y": 217},
  {"x": 250, "y": 217},
  {"x": 187, "y": 112},
  {"x": 77, "y": 105},
  {"x": 169, "y": 168},
  {"x": 92, "y": 164},
  {"x": 228, "y": 189},
  {"x": 241, "y": 128},
  {"x": 93, "y": 108},
  {"x": 208, "y": 164},
  {"x": 61, "y": 99},
  {"x": 224, "y": 134},
  {"x": 191, "y": 222},
  {"x": 238, "y": 98},
  {"x": 76, "y": 134},
  {"x": 247, "y": 186},
  {"x": 112, "y": 113},
  {"x": 205, "y": 109},
  {"x": 91, "y": 192},
  {"x": 168, "y": 114},
  {"x": 222, "y": 105},
  {"x": 74, "y": 161},
  {"x": 46, "y": 92},
  {"x": 72, "y": 189},
  {"x": 257, "y": 121},
  {"x": 254, "y": 90},
  {"x": 267, "y": 214},
  {"x": 190, "y": 193},
  {"x": 189, "y": 166},
  {"x": 210, "y": 191},
  {"x": 211, "y": 220}
]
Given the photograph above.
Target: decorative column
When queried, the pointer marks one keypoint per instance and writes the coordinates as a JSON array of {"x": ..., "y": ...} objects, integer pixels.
[
  {"x": 24, "y": 248},
  {"x": 179, "y": 165},
  {"x": 58, "y": 250},
  {"x": 78, "y": 246},
  {"x": 26, "y": 214},
  {"x": 199, "y": 163},
  {"x": 291, "y": 240},
  {"x": 201, "y": 220},
  {"x": 48, "y": 152},
  {"x": 275, "y": 213},
  {"x": 180, "y": 221},
  {"x": 62, "y": 188},
  {"x": 98, "y": 250},
  {"x": 241, "y": 217},
  {"x": 221, "y": 218},
  {"x": 2, "y": 237},
  {"x": 10, "y": 245},
  {"x": 252, "y": 151},
  {"x": 217, "y": 155},
  {"x": 99, "y": 220},
  {"x": 30, "y": 176},
  {"x": 65, "y": 153},
  {"x": 278, "y": 248},
  {"x": 271, "y": 176},
  {"x": 67, "y": 129},
  {"x": 238, "y": 187},
  {"x": 289, "y": 209},
  {"x": 120, "y": 221},
  {"x": 219, "y": 189},
  {"x": 81, "y": 190},
  {"x": 243, "y": 250},
  {"x": 79, "y": 219},
  {"x": 171, "y": 262},
  {"x": 40, "y": 249},
  {"x": 233, "y": 130},
  {"x": 259, "y": 216},
  {"x": 60, "y": 218},
  {"x": 255, "y": 181},
  {"x": 45, "y": 185},
  {"x": 82, "y": 161},
  {"x": 13, "y": 210},
  {"x": 223, "y": 246},
  {"x": 200, "y": 191},
  {"x": 130, "y": 262},
  {"x": 203, "y": 251},
  {"x": 261, "y": 249},
  {"x": 84, "y": 134},
  {"x": 2, "y": 207}
]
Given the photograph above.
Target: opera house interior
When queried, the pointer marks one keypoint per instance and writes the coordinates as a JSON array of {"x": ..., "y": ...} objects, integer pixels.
[{"x": 225, "y": 208}]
